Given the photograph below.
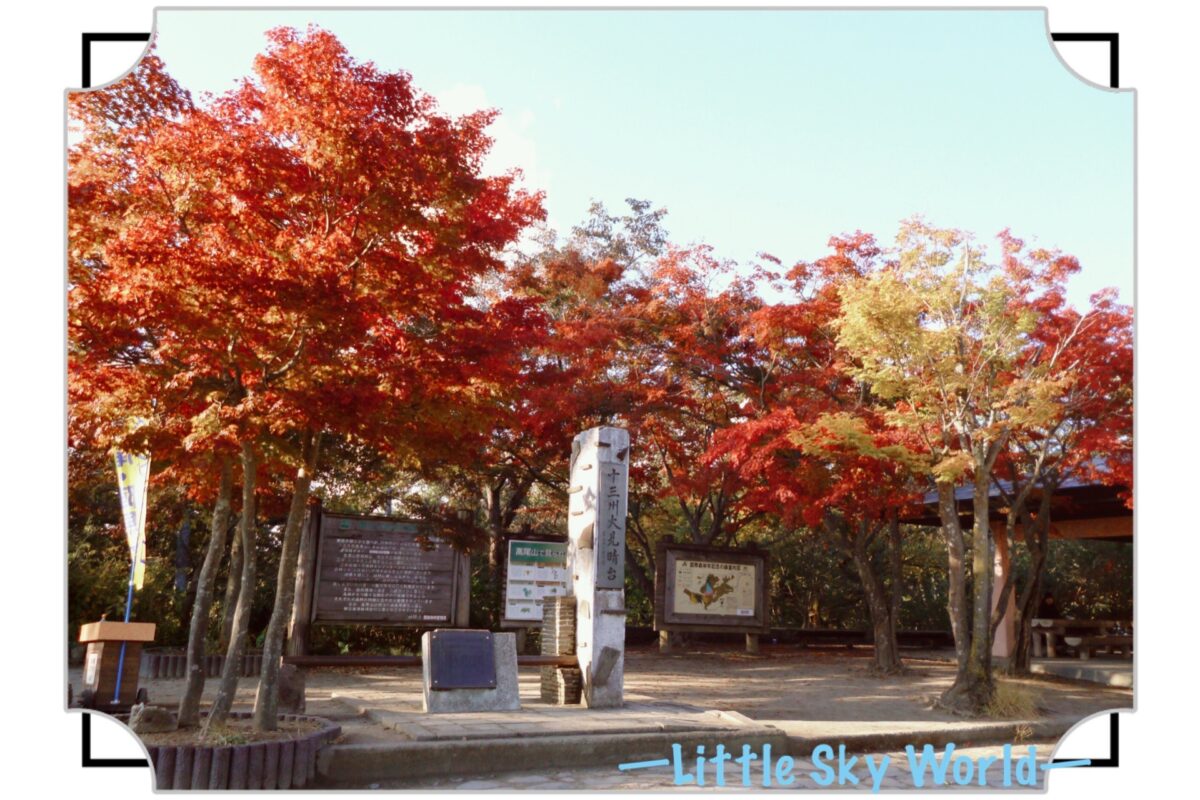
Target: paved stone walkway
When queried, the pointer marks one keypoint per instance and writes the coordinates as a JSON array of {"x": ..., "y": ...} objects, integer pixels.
[
  {"x": 536, "y": 718},
  {"x": 898, "y": 776}
]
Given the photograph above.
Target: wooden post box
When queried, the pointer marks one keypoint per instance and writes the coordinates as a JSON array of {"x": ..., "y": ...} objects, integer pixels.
[{"x": 103, "y": 640}]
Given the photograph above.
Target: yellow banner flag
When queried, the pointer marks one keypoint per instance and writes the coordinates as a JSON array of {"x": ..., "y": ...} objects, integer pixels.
[{"x": 133, "y": 483}]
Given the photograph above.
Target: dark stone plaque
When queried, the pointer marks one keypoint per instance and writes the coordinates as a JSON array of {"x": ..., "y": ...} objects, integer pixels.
[{"x": 461, "y": 660}]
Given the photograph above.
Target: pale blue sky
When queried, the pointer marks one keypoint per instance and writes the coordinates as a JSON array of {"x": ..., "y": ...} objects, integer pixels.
[{"x": 758, "y": 130}]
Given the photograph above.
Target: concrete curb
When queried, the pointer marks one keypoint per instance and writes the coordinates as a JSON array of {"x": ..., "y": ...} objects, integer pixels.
[
  {"x": 802, "y": 737},
  {"x": 359, "y": 763},
  {"x": 355, "y": 764}
]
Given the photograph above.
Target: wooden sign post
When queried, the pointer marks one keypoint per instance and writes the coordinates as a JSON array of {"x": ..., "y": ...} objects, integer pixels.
[{"x": 103, "y": 662}]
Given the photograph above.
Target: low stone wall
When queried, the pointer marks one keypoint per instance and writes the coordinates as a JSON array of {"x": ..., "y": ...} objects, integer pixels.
[
  {"x": 288, "y": 764},
  {"x": 173, "y": 664}
]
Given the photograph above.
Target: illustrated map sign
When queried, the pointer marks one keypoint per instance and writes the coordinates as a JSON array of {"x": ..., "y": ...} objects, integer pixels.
[
  {"x": 703, "y": 588},
  {"x": 536, "y": 570},
  {"x": 383, "y": 571},
  {"x": 718, "y": 588},
  {"x": 461, "y": 660}
]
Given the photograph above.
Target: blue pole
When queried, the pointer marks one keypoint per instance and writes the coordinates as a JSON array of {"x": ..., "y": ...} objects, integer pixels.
[{"x": 128, "y": 604}]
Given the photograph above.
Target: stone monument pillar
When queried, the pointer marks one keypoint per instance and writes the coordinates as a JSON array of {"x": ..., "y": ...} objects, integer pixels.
[{"x": 599, "y": 497}]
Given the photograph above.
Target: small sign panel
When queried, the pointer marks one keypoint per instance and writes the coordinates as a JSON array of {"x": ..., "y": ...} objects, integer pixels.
[
  {"x": 92, "y": 670},
  {"x": 461, "y": 660},
  {"x": 536, "y": 570}
]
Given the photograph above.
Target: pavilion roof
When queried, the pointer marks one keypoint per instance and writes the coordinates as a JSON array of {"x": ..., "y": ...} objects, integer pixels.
[{"x": 1075, "y": 498}]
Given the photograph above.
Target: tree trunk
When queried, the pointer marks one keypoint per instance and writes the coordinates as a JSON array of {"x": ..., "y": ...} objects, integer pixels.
[
  {"x": 643, "y": 576},
  {"x": 300, "y": 631},
  {"x": 956, "y": 596},
  {"x": 266, "y": 702},
  {"x": 501, "y": 512},
  {"x": 896, "y": 567},
  {"x": 973, "y": 687},
  {"x": 241, "y": 615},
  {"x": 232, "y": 584},
  {"x": 189, "y": 705},
  {"x": 1037, "y": 540},
  {"x": 182, "y": 547},
  {"x": 494, "y": 498},
  {"x": 887, "y": 657}
]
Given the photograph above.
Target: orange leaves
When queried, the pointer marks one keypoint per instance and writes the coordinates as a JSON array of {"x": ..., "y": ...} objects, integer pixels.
[{"x": 295, "y": 253}]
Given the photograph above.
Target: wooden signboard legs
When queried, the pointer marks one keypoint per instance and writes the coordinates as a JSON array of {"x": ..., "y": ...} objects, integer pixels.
[{"x": 599, "y": 497}]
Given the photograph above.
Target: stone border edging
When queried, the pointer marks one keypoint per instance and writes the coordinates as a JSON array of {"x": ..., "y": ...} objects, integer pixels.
[{"x": 283, "y": 764}]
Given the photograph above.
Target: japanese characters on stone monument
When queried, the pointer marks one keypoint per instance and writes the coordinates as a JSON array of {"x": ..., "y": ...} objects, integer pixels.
[{"x": 599, "y": 496}]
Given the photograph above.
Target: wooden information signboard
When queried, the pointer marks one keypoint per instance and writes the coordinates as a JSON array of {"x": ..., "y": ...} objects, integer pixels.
[
  {"x": 368, "y": 570},
  {"x": 701, "y": 588}
]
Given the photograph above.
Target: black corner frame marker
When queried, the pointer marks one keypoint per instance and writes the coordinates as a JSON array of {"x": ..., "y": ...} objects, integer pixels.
[
  {"x": 88, "y": 38},
  {"x": 88, "y": 761},
  {"x": 1113, "y": 759},
  {"x": 1113, "y": 40},
  {"x": 1114, "y": 746},
  {"x": 86, "y": 718}
]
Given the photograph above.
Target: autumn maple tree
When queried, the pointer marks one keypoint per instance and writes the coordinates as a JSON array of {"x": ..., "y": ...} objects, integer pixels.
[
  {"x": 812, "y": 447},
  {"x": 943, "y": 336},
  {"x": 300, "y": 257}
]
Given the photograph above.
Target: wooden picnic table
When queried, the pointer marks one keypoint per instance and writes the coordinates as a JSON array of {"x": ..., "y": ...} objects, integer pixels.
[{"x": 1082, "y": 634}]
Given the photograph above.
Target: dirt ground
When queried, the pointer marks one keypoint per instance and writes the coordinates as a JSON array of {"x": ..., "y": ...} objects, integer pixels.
[
  {"x": 782, "y": 683},
  {"x": 785, "y": 682}
]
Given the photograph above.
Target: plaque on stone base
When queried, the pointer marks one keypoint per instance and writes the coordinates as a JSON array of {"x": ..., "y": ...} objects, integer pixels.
[{"x": 445, "y": 698}]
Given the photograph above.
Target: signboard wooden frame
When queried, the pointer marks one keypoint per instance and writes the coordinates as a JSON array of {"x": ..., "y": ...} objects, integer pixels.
[
  {"x": 451, "y": 604},
  {"x": 668, "y": 618}
]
